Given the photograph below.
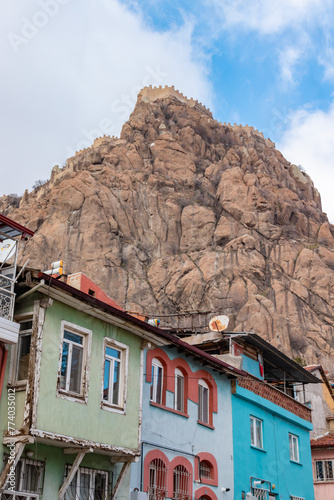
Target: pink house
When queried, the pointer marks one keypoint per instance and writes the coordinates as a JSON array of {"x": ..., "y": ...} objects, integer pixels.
[{"x": 323, "y": 466}]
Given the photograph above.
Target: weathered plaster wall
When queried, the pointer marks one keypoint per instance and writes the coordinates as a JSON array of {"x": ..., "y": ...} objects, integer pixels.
[{"x": 89, "y": 421}]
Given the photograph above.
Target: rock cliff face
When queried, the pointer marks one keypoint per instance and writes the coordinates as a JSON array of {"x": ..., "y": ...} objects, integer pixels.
[{"x": 181, "y": 213}]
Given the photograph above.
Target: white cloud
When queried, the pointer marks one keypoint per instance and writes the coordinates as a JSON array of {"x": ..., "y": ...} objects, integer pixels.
[
  {"x": 73, "y": 70},
  {"x": 308, "y": 140},
  {"x": 288, "y": 60},
  {"x": 270, "y": 17}
]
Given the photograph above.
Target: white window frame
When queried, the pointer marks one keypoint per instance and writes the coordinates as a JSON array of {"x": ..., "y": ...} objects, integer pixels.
[
  {"x": 254, "y": 437},
  {"x": 20, "y": 491},
  {"x": 203, "y": 391},
  {"x": 92, "y": 473},
  {"x": 324, "y": 479},
  {"x": 14, "y": 362},
  {"x": 294, "y": 447},
  {"x": 123, "y": 349},
  {"x": 156, "y": 367},
  {"x": 65, "y": 393},
  {"x": 179, "y": 375}
]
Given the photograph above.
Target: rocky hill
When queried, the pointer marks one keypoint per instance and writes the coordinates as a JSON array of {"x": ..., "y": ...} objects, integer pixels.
[{"x": 184, "y": 213}]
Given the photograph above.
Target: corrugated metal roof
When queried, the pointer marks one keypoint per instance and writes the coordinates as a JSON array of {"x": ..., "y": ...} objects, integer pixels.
[{"x": 13, "y": 229}]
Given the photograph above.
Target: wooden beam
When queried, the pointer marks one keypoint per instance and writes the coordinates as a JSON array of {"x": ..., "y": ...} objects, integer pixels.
[
  {"x": 120, "y": 478},
  {"x": 74, "y": 468},
  {"x": 19, "y": 447},
  {"x": 74, "y": 451}
]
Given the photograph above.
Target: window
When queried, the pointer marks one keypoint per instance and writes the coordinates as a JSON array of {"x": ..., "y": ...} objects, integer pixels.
[
  {"x": 179, "y": 391},
  {"x": 29, "y": 478},
  {"x": 157, "y": 489},
  {"x": 203, "y": 402},
  {"x": 157, "y": 381},
  {"x": 74, "y": 361},
  {"x": 294, "y": 448},
  {"x": 293, "y": 497},
  {"x": 324, "y": 470},
  {"x": 256, "y": 432},
  {"x": 88, "y": 484},
  {"x": 260, "y": 494},
  {"x": 205, "y": 470},
  {"x": 181, "y": 483},
  {"x": 23, "y": 350},
  {"x": 115, "y": 371}
]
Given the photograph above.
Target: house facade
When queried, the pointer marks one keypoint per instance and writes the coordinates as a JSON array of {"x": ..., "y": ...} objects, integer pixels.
[
  {"x": 187, "y": 445},
  {"x": 323, "y": 466},
  {"x": 73, "y": 424}
]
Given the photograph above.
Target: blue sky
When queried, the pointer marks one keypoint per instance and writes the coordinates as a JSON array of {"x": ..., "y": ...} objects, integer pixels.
[{"x": 73, "y": 70}]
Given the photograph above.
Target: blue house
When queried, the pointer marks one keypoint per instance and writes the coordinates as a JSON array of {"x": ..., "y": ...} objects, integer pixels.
[
  {"x": 271, "y": 442},
  {"x": 187, "y": 445}
]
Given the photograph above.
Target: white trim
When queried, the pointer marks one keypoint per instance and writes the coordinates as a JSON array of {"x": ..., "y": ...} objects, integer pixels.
[
  {"x": 201, "y": 393},
  {"x": 294, "y": 447},
  {"x": 178, "y": 374},
  {"x": 255, "y": 442},
  {"x": 156, "y": 364},
  {"x": 87, "y": 344},
  {"x": 124, "y": 363}
]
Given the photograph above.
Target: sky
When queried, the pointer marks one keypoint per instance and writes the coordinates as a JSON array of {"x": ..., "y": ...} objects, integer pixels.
[{"x": 71, "y": 71}]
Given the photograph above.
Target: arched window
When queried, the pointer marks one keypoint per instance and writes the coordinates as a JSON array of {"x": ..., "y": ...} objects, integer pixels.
[
  {"x": 203, "y": 401},
  {"x": 157, "y": 488},
  {"x": 179, "y": 391},
  {"x": 157, "y": 381},
  {"x": 205, "y": 470},
  {"x": 181, "y": 483}
]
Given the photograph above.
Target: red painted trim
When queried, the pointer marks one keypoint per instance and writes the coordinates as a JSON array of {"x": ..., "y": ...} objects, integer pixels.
[
  {"x": 189, "y": 468},
  {"x": 204, "y": 490},
  {"x": 3, "y": 361},
  {"x": 190, "y": 381},
  {"x": 210, "y": 426},
  {"x": 150, "y": 456},
  {"x": 152, "y": 403},
  {"x": 208, "y": 457},
  {"x": 15, "y": 225}
]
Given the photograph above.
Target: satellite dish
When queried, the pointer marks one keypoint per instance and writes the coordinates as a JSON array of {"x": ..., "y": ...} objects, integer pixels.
[
  {"x": 7, "y": 249},
  {"x": 218, "y": 323}
]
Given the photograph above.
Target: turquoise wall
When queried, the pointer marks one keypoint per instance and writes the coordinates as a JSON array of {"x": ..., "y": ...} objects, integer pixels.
[
  {"x": 273, "y": 462},
  {"x": 251, "y": 366}
]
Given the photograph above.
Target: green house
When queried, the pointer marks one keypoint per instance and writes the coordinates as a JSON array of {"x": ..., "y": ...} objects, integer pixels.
[{"x": 70, "y": 412}]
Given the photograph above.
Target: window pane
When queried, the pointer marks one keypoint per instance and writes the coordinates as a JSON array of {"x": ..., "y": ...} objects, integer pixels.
[
  {"x": 84, "y": 484},
  {"x": 319, "y": 470},
  {"x": 116, "y": 383},
  {"x": 64, "y": 365},
  {"x": 200, "y": 406},
  {"x": 205, "y": 417},
  {"x": 329, "y": 469},
  {"x": 31, "y": 478},
  {"x": 258, "y": 424},
  {"x": 76, "y": 369},
  {"x": 113, "y": 352},
  {"x": 26, "y": 325},
  {"x": 152, "y": 384},
  {"x": 106, "y": 380},
  {"x": 24, "y": 350},
  {"x": 252, "y": 431},
  {"x": 100, "y": 486},
  {"x": 73, "y": 337},
  {"x": 179, "y": 393},
  {"x": 159, "y": 384}
]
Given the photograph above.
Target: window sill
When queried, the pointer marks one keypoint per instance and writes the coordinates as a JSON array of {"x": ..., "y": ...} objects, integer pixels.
[
  {"x": 295, "y": 462},
  {"x": 69, "y": 396},
  {"x": 112, "y": 408},
  {"x": 258, "y": 449},
  {"x": 206, "y": 425},
  {"x": 18, "y": 386},
  {"x": 162, "y": 407}
]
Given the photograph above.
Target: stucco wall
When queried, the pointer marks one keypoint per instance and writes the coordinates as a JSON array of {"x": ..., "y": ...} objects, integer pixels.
[
  {"x": 323, "y": 491},
  {"x": 273, "y": 463},
  {"x": 181, "y": 436},
  {"x": 89, "y": 421}
]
